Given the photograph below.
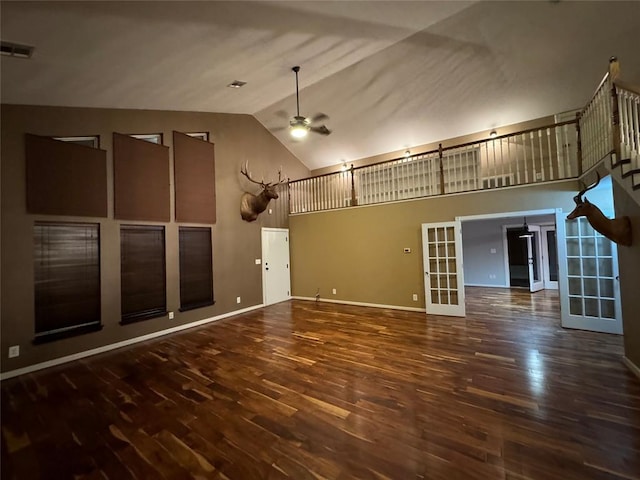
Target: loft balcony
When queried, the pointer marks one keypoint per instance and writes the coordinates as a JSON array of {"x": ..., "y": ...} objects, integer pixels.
[{"x": 608, "y": 127}]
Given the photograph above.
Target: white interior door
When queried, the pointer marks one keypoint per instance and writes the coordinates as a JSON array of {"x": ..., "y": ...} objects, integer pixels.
[
  {"x": 589, "y": 289},
  {"x": 442, "y": 259},
  {"x": 534, "y": 255},
  {"x": 276, "y": 280}
]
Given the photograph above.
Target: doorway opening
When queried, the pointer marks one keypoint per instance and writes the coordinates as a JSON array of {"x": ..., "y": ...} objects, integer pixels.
[{"x": 527, "y": 258}]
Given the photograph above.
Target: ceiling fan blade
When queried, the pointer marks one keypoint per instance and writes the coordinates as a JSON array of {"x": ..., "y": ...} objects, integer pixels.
[
  {"x": 319, "y": 117},
  {"x": 322, "y": 130}
]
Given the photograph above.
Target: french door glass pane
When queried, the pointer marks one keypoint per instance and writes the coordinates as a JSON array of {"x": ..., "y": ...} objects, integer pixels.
[
  {"x": 442, "y": 263},
  {"x": 590, "y": 271}
]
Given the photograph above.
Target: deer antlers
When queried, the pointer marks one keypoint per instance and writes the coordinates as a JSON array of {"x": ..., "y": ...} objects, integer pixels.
[
  {"x": 578, "y": 197},
  {"x": 245, "y": 171}
]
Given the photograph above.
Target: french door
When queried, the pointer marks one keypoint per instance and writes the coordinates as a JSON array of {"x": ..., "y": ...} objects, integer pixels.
[
  {"x": 588, "y": 263},
  {"x": 442, "y": 260}
]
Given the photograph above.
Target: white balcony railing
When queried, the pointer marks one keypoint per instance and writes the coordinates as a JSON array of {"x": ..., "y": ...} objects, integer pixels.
[{"x": 538, "y": 155}]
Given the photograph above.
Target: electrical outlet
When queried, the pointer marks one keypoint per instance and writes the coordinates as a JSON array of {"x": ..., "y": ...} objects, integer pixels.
[
  {"x": 238, "y": 300},
  {"x": 170, "y": 315},
  {"x": 334, "y": 291},
  {"x": 14, "y": 351},
  {"x": 270, "y": 211},
  {"x": 415, "y": 297},
  {"x": 258, "y": 261}
]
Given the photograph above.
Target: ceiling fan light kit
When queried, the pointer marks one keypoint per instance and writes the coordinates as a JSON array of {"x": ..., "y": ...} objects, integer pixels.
[{"x": 299, "y": 126}]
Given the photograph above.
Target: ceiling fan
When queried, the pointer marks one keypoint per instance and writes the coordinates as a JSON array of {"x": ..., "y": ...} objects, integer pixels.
[{"x": 299, "y": 126}]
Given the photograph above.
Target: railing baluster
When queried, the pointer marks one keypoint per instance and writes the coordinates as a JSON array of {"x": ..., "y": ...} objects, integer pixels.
[
  {"x": 541, "y": 150},
  {"x": 552, "y": 175},
  {"x": 634, "y": 128}
]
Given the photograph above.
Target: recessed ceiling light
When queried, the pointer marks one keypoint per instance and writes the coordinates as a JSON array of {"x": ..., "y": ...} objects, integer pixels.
[
  {"x": 493, "y": 134},
  {"x": 237, "y": 84}
]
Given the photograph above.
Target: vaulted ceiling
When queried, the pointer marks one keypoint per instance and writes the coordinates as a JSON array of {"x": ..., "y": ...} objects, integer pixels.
[{"x": 389, "y": 74}]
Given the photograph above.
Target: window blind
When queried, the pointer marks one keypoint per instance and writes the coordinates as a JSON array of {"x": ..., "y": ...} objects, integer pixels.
[
  {"x": 67, "y": 279},
  {"x": 142, "y": 272},
  {"x": 196, "y": 268}
]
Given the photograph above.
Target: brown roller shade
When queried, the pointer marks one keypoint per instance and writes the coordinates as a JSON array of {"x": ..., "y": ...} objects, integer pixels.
[
  {"x": 195, "y": 179},
  {"x": 64, "y": 178},
  {"x": 141, "y": 179},
  {"x": 67, "y": 279},
  {"x": 196, "y": 268},
  {"x": 142, "y": 272}
]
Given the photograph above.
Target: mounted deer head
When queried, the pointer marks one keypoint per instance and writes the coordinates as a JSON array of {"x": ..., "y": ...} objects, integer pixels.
[
  {"x": 253, "y": 205},
  {"x": 617, "y": 230}
]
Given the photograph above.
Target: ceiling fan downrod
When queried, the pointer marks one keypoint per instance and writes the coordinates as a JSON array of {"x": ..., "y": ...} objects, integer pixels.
[{"x": 296, "y": 69}]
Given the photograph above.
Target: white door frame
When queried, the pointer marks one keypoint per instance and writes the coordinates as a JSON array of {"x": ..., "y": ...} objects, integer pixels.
[
  {"x": 265, "y": 266},
  {"x": 508, "y": 215},
  {"x": 548, "y": 283},
  {"x": 454, "y": 303},
  {"x": 535, "y": 286}
]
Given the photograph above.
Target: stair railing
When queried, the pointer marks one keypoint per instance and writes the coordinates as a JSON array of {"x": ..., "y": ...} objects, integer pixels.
[
  {"x": 628, "y": 101},
  {"x": 596, "y": 128}
]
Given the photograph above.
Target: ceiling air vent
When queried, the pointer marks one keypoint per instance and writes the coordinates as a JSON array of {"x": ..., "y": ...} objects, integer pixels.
[{"x": 16, "y": 50}]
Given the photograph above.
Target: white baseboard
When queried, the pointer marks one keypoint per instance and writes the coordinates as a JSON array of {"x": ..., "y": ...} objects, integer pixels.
[
  {"x": 632, "y": 366},
  {"x": 493, "y": 285},
  {"x": 124, "y": 343},
  {"x": 362, "y": 304}
]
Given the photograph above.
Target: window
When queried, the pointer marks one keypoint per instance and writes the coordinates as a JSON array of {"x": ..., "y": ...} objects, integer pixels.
[
  {"x": 142, "y": 271},
  {"x": 67, "y": 279},
  {"x": 65, "y": 178},
  {"x": 196, "y": 270},
  {"x": 204, "y": 136},
  {"x": 149, "y": 137},
  {"x": 92, "y": 141},
  {"x": 140, "y": 180}
]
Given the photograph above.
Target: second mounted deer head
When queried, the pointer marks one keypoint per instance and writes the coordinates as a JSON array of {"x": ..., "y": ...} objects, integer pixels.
[
  {"x": 617, "y": 230},
  {"x": 253, "y": 205}
]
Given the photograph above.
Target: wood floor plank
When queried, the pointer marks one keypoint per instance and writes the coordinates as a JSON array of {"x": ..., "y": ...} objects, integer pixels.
[{"x": 311, "y": 390}]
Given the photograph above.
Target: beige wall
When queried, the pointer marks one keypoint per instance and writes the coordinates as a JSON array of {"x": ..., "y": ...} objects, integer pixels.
[
  {"x": 235, "y": 243},
  {"x": 359, "y": 251},
  {"x": 629, "y": 268}
]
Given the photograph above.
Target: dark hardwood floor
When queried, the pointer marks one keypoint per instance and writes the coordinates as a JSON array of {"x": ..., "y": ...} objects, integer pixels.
[{"x": 305, "y": 390}]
